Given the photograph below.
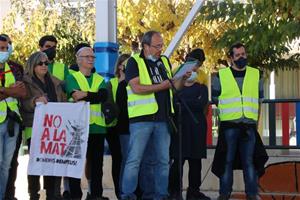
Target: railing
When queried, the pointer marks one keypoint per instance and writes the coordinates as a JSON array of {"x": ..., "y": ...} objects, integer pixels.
[{"x": 273, "y": 111}]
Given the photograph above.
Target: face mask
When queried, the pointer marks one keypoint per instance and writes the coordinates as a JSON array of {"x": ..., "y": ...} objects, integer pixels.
[
  {"x": 51, "y": 53},
  {"x": 192, "y": 77},
  {"x": 4, "y": 56},
  {"x": 10, "y": 49},
  {"x": 152, "y": 58},
  {"x": 241, "y": 62}
]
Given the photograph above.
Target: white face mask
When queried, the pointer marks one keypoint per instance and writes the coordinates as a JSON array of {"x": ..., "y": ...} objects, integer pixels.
[
  {"x": 192, "y": 77},
  {"x": 10, "y": 49},
  {"x": 152, "y": 58},
  {"x": 4, "y": 56}
]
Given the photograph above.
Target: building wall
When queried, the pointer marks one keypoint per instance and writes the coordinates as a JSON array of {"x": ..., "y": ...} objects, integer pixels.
[
  {"x": 287, "y": 83},
  {"x": 4, "y": 9}
]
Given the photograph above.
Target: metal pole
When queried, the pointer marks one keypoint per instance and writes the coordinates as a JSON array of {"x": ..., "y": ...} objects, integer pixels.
[{"x": 184, "y": 26}]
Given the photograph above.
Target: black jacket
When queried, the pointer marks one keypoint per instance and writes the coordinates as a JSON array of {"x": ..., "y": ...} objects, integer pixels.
[{"x": 260, "y": 155}]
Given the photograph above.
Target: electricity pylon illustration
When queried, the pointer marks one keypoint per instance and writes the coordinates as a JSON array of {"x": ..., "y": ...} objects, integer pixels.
[{"x": 73, "y": 150}]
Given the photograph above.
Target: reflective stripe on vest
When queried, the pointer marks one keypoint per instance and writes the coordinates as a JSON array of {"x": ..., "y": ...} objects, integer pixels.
[
  {"x": 11, "y": 102},
  {"x": 114, "y": 86},
  {"x": 145, "y": 104},
  {"x": 234, "y": 105},
  {"x": 58, "y": 70},
  {"x": 96, "y": 116}
]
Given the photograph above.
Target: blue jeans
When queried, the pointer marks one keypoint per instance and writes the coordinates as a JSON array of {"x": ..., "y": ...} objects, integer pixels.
[
  {"x": 147, "y": 168},
  {"x": 141, "y": 133},
  {"x": 146, "y": 175},
  {"x": 246, "y": 143},
  {"x": 7, "y": 149}
]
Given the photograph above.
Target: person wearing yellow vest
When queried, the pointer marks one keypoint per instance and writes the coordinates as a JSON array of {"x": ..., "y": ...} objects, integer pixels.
[
  {"x": 87, "y": 86},
  {"x": 150, "y": 104},
  {"x": 41, "y": 87},
  {"x": 10, "y": 89},
  {"x": 237, "y": 91},
  {"x": 48, "y": 44},
  {"x": 117, "y": 130}
]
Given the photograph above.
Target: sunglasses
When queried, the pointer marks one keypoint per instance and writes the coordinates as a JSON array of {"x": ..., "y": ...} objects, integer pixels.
[{"x": 43, "y": 63}]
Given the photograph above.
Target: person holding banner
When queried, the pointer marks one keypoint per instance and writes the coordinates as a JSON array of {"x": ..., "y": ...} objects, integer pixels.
[
  {"x": 41, "y": 87},
  {"x": 10, "y": 89},
  {"x": 87, "y": 86}
]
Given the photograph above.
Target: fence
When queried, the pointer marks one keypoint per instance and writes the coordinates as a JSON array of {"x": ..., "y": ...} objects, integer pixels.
[{"x": 280, "y": 119}]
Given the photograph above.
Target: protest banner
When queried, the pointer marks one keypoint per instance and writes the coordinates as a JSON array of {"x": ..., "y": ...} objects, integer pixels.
[{"x": 59, "y": 139}]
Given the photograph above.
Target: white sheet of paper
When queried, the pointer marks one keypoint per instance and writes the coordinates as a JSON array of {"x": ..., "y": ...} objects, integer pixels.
[{"x": 185, "y": 67}]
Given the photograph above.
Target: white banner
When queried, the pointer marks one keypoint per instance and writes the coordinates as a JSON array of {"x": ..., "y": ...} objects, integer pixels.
[{"x": 59, "y": 139}]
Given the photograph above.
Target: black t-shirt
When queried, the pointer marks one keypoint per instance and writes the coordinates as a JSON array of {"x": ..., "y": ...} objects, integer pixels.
[{"x": 157, "y": 76}]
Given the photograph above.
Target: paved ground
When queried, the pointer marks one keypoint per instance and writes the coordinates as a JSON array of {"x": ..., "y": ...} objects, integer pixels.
[
  {"x": 209, "y": 184},
  {"x": 21, "y": 183}
]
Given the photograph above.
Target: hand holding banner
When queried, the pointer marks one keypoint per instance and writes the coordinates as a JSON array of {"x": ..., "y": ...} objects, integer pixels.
[{"x": 59, "y": 139}]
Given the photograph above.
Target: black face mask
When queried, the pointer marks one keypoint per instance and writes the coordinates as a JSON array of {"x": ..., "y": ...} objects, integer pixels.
[
  {"x": 51, "y": 53},
  {"x": 241, "y": 62}
]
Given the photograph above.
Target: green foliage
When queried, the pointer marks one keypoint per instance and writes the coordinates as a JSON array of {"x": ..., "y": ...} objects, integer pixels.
[
  {"x": 266, "y": 27},
  {"x": 29, "y": 20},
  {"x": 139, "y": 16}
]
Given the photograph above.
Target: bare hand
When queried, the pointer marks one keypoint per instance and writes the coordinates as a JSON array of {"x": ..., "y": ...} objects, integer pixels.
[
  {"x": 18, "y": 84},
  {"x": 15, "y": 90},
  {"x": 165, "y": 84},
  {"x": 187, "y": 75},
  {"x": 41, "y": 99},
  {"x": 78, "y": 95}
]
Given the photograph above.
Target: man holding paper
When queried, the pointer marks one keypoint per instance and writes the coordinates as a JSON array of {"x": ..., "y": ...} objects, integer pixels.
[{"x": 150, "y": 104}]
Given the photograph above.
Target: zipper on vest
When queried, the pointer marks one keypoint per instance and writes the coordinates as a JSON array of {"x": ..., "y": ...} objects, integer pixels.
[{"x": 243, "y": 116}]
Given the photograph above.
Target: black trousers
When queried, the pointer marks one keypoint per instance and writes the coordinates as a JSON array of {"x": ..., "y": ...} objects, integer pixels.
[
  {"x": 94, "y": 156},
  {"x": 10, "y": 187},
  {"x": 50, "y": 185},
  {"x": 113, "y": 140},
  {"x": 194, "y": 175}
]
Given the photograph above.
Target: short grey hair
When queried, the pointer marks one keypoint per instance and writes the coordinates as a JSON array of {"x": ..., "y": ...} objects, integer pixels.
[
  {"x": 81, "y": 49},
  {"x": 33, "y": 61},
  {"x": 147, "y": 37}
]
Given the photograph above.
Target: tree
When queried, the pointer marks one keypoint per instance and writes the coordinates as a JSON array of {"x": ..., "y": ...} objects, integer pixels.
[
  {"x": 29, "y": 20},
  {"x": 137, "y": 17},
  {"x": 267, "y": 27}
]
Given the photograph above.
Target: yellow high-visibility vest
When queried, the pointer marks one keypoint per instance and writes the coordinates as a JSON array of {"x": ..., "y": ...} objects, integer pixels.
[
  {"x": 232, "y": 103},
  {"x": 58, "y": 70},
  {"x": 96, "y": 116},
  {"x": 71, "y": 71},
  {"x": 11, "y": 102},
  {"x": 114, "y": 86},
  {"x": 145, "y": 104}
]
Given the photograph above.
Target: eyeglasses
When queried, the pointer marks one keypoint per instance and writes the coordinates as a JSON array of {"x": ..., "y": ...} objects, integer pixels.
[
  {"x": 43, "y": 63},
  {"x": 88, "y": 57},
  {"x": 157, "y": 47}
]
